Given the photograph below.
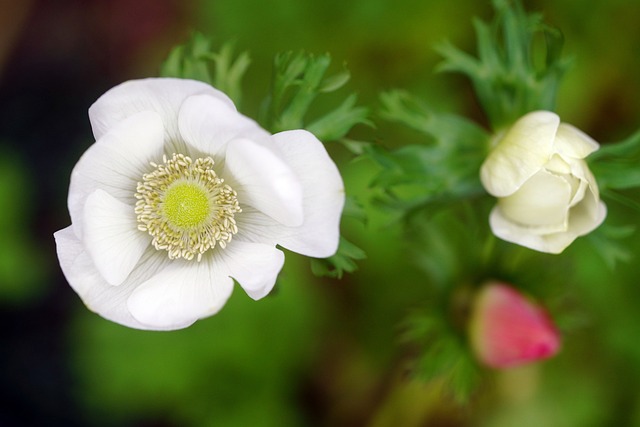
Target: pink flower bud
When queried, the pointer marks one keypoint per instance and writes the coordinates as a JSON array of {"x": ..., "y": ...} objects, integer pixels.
[{"x": 507, "y": 329}]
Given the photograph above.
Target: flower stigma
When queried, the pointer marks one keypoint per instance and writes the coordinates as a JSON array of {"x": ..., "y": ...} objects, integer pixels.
[
  {"x": 186, "y": 207},
  {"x": 186, "y": 204}
]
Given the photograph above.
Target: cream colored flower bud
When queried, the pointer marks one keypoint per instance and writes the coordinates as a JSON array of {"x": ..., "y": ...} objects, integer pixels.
[{"x": 547, "y": 196}]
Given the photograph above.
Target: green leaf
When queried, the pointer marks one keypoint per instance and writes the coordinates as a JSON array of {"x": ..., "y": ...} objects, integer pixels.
[
  {"x": 197, "y": 60},
  {"x": 442, "y": 128},
  {"x": 355, "y": 147},
  {"x": 336, "y": 124},
  {"x": 606, "y": 241},
  {"x": 343, "y": 261},
  {"x": 189, "y": 61},
  {"x": 615, "y": 166},
  {"x": 297, "y": 83},
  {"x": 229, "y": 71},
  {"x": 354, "y": 209},
  {"x": 443, "y": 354},
  {"x": 335, "y": 82},
  {"x": 506, "y": 78},
  {"x": 444, "y": 169},
  {"x": 299, "y": 78},
  {"x": 172, "y": 66}
]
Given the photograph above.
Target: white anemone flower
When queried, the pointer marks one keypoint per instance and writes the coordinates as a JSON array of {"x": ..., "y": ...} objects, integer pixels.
[
  {"x": 547, "y": 196},
  {"x": 181, "y": 195}
]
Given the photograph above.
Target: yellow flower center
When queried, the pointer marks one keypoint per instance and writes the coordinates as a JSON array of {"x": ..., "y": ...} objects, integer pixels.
[
  {"x": 186, "y": 207},
  {"x": 186, "y": 204}
]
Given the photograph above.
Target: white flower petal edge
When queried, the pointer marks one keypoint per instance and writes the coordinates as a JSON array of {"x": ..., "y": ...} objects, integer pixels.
[
  {"x": 184, "y": 292},
  {"x": 115, "y": 162},
  {"x": 208, "y": 123},
  {"x": 553, "y": 243},
  {"x": 323, "y": 193},
  {"x": 521, "y": 152},
  {"x": 542, "y": 203},
  {"x": 573, "y": 143},
  {"x": 168, "y": 295},
  {"x": 161, "y": 95},
  {"x": 254, "y": 266},
  {"x": 108, "y": 301},
  {"x": 265, "y": 181},
  {"x": 112, "y": 237},
  {"x": 180, "y": 294}
]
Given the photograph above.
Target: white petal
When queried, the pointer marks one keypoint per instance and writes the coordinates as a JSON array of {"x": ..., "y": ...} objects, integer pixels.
[
  {"x": 523, "y": 151},
  {"x": 108, "y": 301},
  {"x": 579, "y": 190},
  {"x": 554, "y": 243},
  {"x": 323, "y": 192},
  {"x": 587, "y": 175},
  {"x": 207, "y": 123},
  {"x": 572, "y": 142},
  {"x": 111, "y": 236},
  {"x": 162, "y": 95},
  {"x": 180, "y": 294},
  {"x": 557, "y": 165},
  {"x": 524, "y": 236},
  {"x": 263, "y": 180},
  {"x": 254, "y": 266},
  {"x": 116, "y": 162},
  {"x": 580, "y": 224},
  {"x": 542, "y": 201},
  {"x": 587, "y": 215}
]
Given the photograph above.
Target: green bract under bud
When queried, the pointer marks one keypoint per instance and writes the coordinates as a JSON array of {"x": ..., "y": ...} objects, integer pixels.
[{"x": 186, "y": 207}]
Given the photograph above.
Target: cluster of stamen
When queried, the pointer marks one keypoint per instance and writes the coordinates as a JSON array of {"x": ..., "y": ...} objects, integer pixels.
[{"x": 186, "y": 207}]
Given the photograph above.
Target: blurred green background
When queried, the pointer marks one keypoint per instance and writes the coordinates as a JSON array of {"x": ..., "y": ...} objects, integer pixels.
[{"x": 318, "y": 352}]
